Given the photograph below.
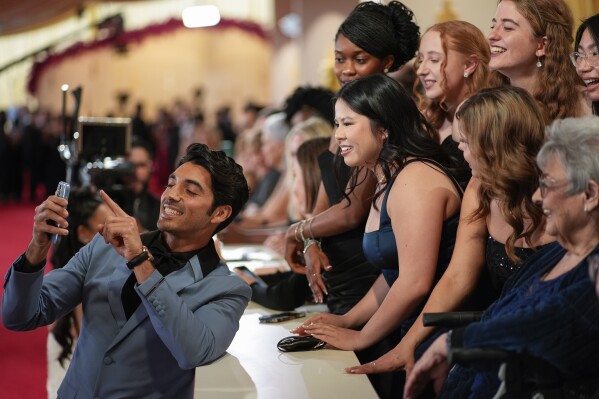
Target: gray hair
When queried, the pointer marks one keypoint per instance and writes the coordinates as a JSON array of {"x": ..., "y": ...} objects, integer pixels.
[
  {"x": 575, "y": 141},
  {"x": 276, "y": 127}
]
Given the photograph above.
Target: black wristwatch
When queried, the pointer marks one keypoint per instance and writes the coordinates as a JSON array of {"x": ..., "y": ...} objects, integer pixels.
[{"x": 141, "y": 258}]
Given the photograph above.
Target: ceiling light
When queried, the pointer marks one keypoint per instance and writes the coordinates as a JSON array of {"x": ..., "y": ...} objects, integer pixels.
[
  {"x": 200, "y": 16},
  {"x": 291, "y": 25}
]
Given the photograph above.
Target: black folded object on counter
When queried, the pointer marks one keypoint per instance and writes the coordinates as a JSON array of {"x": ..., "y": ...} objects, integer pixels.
[{"x": 297, "y": 343}]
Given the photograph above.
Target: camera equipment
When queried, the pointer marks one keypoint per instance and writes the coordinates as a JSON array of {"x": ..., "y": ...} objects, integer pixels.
[
  {"x": 101, "y": 138},
  {"x": 67, "y": 148},
  {"x": 103, "y": 145}
]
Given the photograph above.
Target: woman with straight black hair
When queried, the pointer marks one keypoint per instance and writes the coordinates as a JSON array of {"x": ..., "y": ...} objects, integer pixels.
[
  {"x": 374, "y": 39},
  {"x": 410, "y": 232},
  {"x": 586, "y": 59}
]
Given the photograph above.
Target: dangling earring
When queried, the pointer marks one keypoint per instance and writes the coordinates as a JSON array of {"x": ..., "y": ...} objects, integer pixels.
[
  {"x": 386, "y": 70},
  {"x": 539, "y": 63},
  {"x": 466, "y": 75}
]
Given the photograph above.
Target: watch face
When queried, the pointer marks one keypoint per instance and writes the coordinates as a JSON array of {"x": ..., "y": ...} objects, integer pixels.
[{"x": 150, "y": 256}]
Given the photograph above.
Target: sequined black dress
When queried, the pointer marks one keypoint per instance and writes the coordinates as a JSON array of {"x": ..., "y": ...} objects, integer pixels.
[{"x": 499, "y": 265}]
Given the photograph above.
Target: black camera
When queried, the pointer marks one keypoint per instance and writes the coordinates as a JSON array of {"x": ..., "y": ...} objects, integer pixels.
[
  {"x": 103, "y": 145},
  {"x": 101, "y": 138}
]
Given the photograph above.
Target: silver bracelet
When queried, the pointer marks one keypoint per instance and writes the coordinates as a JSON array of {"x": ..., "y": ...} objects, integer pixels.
[
  {"x": 309, "y": 242},
  {"x": 302, "y": 224}
]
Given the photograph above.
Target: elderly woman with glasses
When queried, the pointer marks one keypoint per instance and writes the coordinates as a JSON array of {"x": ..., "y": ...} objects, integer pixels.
[
  {"x": 586, "y": 59},
  {"x": 549, "y": 309}
]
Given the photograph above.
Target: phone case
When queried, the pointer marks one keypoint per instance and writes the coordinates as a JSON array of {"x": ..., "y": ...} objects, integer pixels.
[
  {"x": 298, "y": 344},
  {"x": 62, "y": 191}
]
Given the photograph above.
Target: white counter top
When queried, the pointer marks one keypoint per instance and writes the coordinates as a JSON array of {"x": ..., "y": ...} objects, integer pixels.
[{"x": 254, "y": 368}]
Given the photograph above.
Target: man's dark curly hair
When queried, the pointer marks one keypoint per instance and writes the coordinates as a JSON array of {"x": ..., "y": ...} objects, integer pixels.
[{"x": 228, "y": 183}]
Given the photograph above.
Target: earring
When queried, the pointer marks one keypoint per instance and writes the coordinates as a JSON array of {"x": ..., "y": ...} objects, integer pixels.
[
  {"x": 466, "y": 75},
  {"x": 539, "y": 63},
  {"x": 386, "y": 70}
]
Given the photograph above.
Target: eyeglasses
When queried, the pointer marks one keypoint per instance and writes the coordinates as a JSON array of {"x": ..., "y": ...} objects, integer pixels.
[
  {"x": 546, "y": 184},
  {"x": 591, "y": 58}
]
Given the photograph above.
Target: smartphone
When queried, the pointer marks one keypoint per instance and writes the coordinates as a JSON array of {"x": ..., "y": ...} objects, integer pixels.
[
  {"x": 62, "y": 191},
  {"x": 251, "y": 274},
  {"x": 280, "y": 317}
]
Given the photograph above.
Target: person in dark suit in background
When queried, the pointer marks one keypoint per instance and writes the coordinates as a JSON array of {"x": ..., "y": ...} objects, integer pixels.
[{"x": 145, "y": 206}]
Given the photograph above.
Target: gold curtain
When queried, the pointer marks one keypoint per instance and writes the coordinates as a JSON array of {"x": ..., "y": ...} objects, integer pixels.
[
  {"x": 447, "y": 12},
  {"x": 583, "y": 9}
]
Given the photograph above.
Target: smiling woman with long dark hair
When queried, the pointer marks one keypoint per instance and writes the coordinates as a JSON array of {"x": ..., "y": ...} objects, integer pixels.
[{"x": 413, "y": 217}]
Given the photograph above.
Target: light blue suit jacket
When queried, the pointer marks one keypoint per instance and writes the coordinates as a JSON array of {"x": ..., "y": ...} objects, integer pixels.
[{"x": 185, "y": 320}]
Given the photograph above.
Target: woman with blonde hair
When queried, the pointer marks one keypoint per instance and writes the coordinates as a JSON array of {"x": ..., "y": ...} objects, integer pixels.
[
  {"x": 311, "y": 128},
  {"x": 530, "y": 45},
  {"x": 288, "y": 290},
  {"x": 285, "y": 206}
]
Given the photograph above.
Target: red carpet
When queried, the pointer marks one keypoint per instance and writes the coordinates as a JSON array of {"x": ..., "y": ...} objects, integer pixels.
[{"x": 22, "y": 354}]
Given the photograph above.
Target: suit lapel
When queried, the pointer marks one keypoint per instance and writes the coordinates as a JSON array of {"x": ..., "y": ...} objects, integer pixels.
[
  {"x": 185, "y": 276},
  {"x": 136, "y": 318},
  {"x": 115, "y": 287},
  {"x": 177, "y": 281}
]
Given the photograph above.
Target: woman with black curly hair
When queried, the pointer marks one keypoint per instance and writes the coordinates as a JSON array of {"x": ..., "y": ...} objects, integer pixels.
[{"x": 395, "y": 40}]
